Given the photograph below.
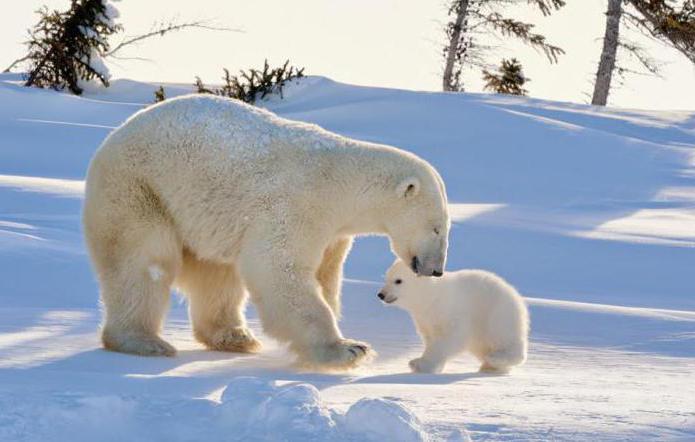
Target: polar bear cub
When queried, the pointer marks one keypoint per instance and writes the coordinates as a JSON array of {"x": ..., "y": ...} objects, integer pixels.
[{"x": 467, "y": 310}]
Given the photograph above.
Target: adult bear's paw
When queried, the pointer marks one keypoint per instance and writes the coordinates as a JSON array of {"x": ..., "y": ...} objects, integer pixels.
[
  {"x": 234, "y": 339},
  {"x": 422, "y": 365},
  {"x": 341, "y": 355},
  {"x": 144, "y": 345}
]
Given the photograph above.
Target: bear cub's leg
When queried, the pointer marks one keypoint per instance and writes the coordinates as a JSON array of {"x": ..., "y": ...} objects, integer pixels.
[
  {"x": 502, "y": 360},
  {"x": 217, "y": 300},
  {"x": 435, "y": 356}
]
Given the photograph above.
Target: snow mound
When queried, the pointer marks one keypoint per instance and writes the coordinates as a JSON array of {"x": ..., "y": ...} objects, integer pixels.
[
  {"x": 295, "y": 411},
  {"x": 251, "y": 409},
  {"x": 382, "y": 419}
]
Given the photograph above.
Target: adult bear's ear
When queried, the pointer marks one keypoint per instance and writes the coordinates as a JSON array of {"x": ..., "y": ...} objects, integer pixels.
[{"x": 409, "y": 187}]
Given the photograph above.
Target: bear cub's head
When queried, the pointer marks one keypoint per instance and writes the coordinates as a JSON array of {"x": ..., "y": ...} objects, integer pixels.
[{"x": 402, "y": 287}]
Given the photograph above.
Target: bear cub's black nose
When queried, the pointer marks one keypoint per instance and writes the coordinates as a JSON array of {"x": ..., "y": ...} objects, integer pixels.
[
  {"x": 381, "y": 296},
  {"x": 437, "y": 274}
]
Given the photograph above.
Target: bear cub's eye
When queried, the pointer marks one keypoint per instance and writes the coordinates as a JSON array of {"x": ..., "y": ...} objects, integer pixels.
[
  {"x": 436, "y": 231},
  {"x": 398, "y": 281}
]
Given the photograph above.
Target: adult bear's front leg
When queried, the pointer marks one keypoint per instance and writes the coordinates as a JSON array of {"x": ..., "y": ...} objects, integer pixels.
[
  {"x": 330, "y": 272},
  {"x": 292, "y": 309}
]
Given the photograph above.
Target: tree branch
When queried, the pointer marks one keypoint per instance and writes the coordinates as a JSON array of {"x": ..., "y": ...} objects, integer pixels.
[
  {"x": 163, "y": 29},
  {"x": 15, "y": 63},
  {"x": 639, "y": 54},
  {"x": 546, "y": 6},
  {"x": 522, "y": 31},
  {"x": 664, "y": 23}
]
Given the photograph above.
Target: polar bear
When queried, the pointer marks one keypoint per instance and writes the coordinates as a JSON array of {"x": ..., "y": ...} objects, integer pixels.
[
  {"x": 219, "y": 198},
  {"x": 467, "y": 310}
]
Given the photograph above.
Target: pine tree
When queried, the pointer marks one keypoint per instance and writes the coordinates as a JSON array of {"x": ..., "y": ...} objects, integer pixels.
[
  {"x": 66, "y": 48},
  {"x": 661, "y": 20},
  {"x": 469, "y": 18},
  {"x": 253, "y": 84},
  {"x": 510, "y": 78},
  {"x": 159, "y": 95}
]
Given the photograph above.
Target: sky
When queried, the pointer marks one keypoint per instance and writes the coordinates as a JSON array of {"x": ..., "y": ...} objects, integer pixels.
[{"x": 389, "y": 43}]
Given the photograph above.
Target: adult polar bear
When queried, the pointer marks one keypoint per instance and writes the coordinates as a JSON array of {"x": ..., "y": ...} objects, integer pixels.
[{"x": 217, "y": 197}]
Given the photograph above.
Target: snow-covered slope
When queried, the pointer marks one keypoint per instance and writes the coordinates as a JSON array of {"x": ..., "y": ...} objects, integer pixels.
[{"x": 589, "y": 212}]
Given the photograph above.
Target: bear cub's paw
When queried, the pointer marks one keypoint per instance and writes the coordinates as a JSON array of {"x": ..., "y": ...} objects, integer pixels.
[
  {"x": 234, "y": 339},
  {"x": 491, "y": 369}
]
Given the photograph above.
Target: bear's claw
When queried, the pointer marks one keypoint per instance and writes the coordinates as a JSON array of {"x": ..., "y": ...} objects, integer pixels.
[
  {"x": 363, "y": 348},
  {"x": 344, "y": 354}
]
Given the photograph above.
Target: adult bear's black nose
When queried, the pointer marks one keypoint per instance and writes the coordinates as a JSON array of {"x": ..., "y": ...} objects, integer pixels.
[
  {"x": 436, "y": 273},
  {"x": 381, "y": 296}
]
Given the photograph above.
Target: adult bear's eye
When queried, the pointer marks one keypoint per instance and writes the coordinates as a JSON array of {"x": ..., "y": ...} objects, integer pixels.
[{"x": 398, "y": 281}]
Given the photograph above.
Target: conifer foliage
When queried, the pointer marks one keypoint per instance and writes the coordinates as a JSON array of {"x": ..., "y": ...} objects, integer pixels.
[
  {"x": 472, "y": 19},
  {"x": 159, "y": 94},
  {"x": 253, "y": 84},
  {"x": 671, "y": 22},
  {"x": 66, "y": 48},
  {"x": 510, "y": 78}
]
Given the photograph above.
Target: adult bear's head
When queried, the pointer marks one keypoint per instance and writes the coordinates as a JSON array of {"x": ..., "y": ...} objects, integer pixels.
[{"x": 418, "y": 222}]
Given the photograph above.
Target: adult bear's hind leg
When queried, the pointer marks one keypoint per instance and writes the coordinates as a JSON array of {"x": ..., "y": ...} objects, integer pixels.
[
  {"x": 216, "y": 299},
  {"x": 136, "y": 273}
]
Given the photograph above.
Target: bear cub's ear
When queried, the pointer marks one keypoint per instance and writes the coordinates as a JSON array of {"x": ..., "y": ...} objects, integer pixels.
[{"x": 409, "y": 187}]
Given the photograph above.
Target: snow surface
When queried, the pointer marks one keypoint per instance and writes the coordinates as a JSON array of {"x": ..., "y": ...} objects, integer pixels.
[{"x": 590, "y": 212}]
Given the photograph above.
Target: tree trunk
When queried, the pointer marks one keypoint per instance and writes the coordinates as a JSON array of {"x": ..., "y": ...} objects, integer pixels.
[
  {"x": 447, "y": 84},
  {"x": 606, "y": 66}
]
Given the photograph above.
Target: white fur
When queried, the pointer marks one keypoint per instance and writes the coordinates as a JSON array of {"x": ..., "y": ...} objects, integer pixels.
[
  {"x": 468, "y": 310},
  {"x": 225, "y": 198}
]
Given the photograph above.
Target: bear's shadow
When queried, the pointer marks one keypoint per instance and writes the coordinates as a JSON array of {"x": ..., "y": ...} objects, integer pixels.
[{"x": 103, "y": 372}]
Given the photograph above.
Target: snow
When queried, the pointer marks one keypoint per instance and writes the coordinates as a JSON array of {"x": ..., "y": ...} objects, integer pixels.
[
  {"x": 97, "y": 63},
  {"x": 250, "y": 409},
  {"x": 382, "y": 419},
  {"x": 156, "y": 272},
  {"x": 587, "y": 211},
  {"x": 111, "y": 13}
]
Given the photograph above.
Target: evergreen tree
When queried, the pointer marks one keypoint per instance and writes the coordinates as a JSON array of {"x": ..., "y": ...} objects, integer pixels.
[
  {"x": 661, "y": 20},
  {"x": 52, "y": 23},
  {"x": 66, "y": 48},
  {"x": 253, "y": 84},
  {"x": 159, "y": 95},
  {"x": 470, "y": 18},
  {"x": 510, "y": 78}
]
